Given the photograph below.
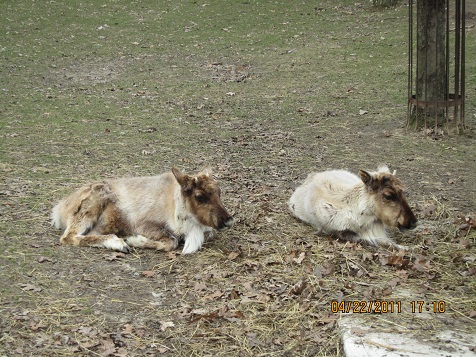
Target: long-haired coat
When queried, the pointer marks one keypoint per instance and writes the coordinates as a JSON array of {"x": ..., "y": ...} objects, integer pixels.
[
  {"x": 353, "y": 207},
  {"x": 147, "y": 212}
]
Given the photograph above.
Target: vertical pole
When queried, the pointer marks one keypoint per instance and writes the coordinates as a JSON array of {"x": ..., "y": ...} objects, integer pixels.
[
  {"x": 410, "y": 62},
  {"x": 457, "y": 61},
  {"x": 447, "y": 64},
  {"x": 463, "y": 59},
  {"x": 437, "y": 68},
  {"x": 426, "y": 66}
]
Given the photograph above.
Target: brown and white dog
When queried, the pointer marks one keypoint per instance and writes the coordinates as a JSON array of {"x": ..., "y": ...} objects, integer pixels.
[
  {"x": 353, "y": 207},
  {"x": 146, "y": 212}
]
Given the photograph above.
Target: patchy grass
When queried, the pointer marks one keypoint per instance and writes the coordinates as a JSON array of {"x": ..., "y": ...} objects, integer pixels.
[{"x": 264, "y": 92}]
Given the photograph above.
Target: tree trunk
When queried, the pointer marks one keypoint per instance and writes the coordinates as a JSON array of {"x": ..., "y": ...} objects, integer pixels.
[{"x": 431, "y": 61}]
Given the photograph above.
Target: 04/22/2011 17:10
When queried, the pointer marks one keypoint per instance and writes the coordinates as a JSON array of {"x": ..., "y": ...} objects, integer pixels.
[{"x": 383, "y": 307}]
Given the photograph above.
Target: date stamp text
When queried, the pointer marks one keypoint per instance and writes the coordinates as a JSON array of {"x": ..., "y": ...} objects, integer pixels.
[{"x": 385, "y": 307}]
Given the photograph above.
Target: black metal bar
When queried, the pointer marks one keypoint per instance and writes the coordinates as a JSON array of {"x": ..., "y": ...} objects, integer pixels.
[
  {"x": 437, "y": 67},
  {"x": 457, "y": 57},
  {"x": 426, "y": 59},
  {"x": 410, "y": 61},
  {"x": 447, "y": 64},
  {"x": 463, "y": 59}
]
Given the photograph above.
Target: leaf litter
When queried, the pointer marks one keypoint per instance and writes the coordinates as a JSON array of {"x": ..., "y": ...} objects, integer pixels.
[{"x": 263, "y": 288}]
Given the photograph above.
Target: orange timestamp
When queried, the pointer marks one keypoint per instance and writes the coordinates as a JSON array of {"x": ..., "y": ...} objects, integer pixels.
[{"x": 385, "y": 307}]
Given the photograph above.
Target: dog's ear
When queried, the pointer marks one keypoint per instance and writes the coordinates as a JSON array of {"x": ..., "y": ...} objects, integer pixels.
[{"x": 185, "y": 181}]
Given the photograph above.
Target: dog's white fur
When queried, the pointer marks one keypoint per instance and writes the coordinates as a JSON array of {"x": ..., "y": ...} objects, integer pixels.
[
  {"x": 155, "y": 212},
  {"x": 339, "y": 203}
]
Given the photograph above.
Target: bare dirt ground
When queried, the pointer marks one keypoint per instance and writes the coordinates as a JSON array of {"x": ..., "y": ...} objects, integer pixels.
[{"x": 263, "y": 93}]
